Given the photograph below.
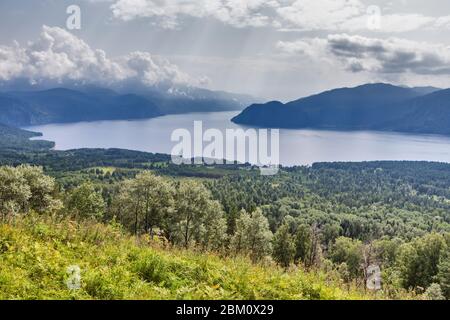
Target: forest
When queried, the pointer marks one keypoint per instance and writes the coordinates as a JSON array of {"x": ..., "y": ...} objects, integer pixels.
[{"x": 331, "y": 220}]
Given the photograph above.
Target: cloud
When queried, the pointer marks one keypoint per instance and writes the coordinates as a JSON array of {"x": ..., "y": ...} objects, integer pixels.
[
  {"x": 383, "y": 56},
  {"x": 58, "y": 56},
  {"x": 320, "y": 15},
  {"x": 303, "y": 15},
  {"x": 168, "y": 13},
  {"x": 396, "y": 23}
]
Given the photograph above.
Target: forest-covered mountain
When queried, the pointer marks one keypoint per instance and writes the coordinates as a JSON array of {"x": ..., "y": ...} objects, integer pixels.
[
  {"x": 367, "y": 107},
  {"x": 177, "y": 100},
  {"x": 60, "y": 105},
  {"x": 65, "y": 105},
  {"x": 429, "y": 114},
  {"x": 18, "y": 139}
]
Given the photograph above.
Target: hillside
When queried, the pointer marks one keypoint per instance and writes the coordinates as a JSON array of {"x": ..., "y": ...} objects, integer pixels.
[
  {"x": 367, "y": 107},
  {"x": 189, "y": 99},
  {"x": 429, "y": 113},
  {"x": 18, "y": 139},
  {"x": 64, "y": 105},
  {"x": 90, "y": 103},
  {"x": 332, "y": 218},
  {"x": 35, "y": 254}
]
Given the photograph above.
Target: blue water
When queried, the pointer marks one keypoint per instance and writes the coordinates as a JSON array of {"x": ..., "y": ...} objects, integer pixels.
[{"x": 297, "y": 147}]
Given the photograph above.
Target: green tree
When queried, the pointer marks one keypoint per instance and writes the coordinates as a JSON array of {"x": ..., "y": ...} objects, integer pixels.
[
  {"x": 26, "y": 188},
  {"x": 303, "y": 244},
  {"x": 253, "y": 235},
  {"x": 42, "y": 189},
  {"x": 434, "y": 292},
  {"x": 213, "y": 233},
  {"x": 85, "y": 202},
  {"x": 154, "y": 197},
  {"x": 349, "y": 252},
  {"x": 144, "y": 203},
  {"x": 283, "y": 246},
  {"x": 330, "y": 233},
  {"x": 239, "y": 239},
  {"x": 14, "y": 191},
  {"x": 386, "y": 250},
  {"x": 198, "y": 219},
  {"x": 444, "y": 273},
  {"x": 418, "y": 261}
]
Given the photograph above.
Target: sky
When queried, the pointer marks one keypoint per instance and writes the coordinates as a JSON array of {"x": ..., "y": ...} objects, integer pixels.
[{"x": 272, "y": 49}]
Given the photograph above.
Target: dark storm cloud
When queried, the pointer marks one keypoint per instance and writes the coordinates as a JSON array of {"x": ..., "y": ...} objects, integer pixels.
[{"x": 389, "y": 55}]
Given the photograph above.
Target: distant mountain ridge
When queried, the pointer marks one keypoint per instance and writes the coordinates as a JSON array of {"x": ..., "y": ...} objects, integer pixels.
[
  {"x": 90, "y": 103},
  {"x": 178, "y": 100},
  {"x": 424, "y": 90},
  {"x": 426, "y": 114},
  {"x": 367, "y": 107},
  {"x": 66, "y": 105}
]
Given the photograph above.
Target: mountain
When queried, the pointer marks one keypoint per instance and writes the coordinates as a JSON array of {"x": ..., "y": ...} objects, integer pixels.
[
  {"x": 90, "y": 103},
  {"x": 339, "y": 108},
  {"x": 367, "y": 107},
  {"x": 14, "y": 111},
  {"x": 425, "y": 90},
  {"x": 18, "y": 139},
  {"x": 179, "y": 99},
  {"x": 427, "y": 114},
  {"x": 65, "y": 105},
  {"x": 183, "y": 99}
]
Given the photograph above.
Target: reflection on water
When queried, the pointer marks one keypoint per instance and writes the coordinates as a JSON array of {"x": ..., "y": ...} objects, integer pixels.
[{"x": 297, "y": 147}]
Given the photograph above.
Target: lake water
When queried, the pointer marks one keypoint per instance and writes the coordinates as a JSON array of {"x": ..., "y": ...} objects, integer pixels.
[{"x": 297, "y": 147}]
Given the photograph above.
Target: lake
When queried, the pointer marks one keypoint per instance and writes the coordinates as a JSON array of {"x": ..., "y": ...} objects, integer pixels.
[{"x": 297, "y": 147}]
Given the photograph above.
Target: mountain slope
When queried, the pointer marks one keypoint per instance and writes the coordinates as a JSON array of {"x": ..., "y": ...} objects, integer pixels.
[
  {"x": 65, "y": 105},
  {"x": 178, "y": 100},
  {"x": 427, "y": 114},
  {"x": 90, "y": 103},
  {"x": 114, "y": 265},
  {"x": 181, "y": 99},
  {"x": 14, "y": 111},
  {"x": 371, "y": 106},
  {"x": 425, "y": 90},
  {"x": 18, "y": 139}
]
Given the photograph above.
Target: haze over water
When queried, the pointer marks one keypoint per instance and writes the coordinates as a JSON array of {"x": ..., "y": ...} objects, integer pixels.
[{"x": 297, "y": 147}]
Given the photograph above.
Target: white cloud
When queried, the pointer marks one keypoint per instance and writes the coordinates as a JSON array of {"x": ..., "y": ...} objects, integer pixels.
[
  {"x": 392, "y": 23},
  {"x": 382, "y": 56},
  {"x": 306, "y": 15},
  {"x": 151, "y": 70},
  {"x": 58, "y": 56},
  {"x": 168, "y": 13},
  {"x": 320, "y": 14}
]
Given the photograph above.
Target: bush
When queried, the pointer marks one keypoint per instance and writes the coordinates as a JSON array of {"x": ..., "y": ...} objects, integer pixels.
[{"x": 37, "y": 251}]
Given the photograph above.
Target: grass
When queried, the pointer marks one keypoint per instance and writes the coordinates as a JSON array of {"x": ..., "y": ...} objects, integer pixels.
[{"x": 36, "y": 252}]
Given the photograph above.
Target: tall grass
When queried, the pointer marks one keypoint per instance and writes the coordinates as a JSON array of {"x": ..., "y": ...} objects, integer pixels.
[{"x": 35, "y": 253}]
